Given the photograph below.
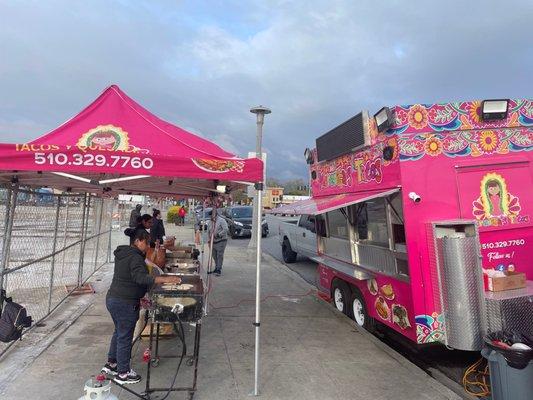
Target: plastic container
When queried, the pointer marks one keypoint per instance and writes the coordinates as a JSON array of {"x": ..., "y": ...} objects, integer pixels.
[{"x": 511, "y": 371}]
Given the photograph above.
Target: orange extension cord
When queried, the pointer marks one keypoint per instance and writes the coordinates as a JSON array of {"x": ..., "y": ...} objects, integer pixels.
[{"x": 475, "y": 380}]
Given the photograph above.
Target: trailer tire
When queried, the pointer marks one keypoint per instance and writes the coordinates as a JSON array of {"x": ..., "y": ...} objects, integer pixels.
[
  {"x": 289, "y": 256},
  {"x": 341, "y": 294},
  {"x": 360, "y": 311}
]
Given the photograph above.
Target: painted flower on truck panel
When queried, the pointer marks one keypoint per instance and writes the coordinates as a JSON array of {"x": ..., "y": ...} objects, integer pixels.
[
  {"x": 417, "y": 116},
  {"x": 488, "y": 141},
  {"x": 392, "y": 143},
  {"x": 433, "y": 146},
  {"x": 473, "y": 111}
]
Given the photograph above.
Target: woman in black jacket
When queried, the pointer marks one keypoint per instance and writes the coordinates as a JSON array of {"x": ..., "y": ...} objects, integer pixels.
[
  {"x": 144, "y": 224},
  {"x": 130, "y": 283},
  {"x": 157, "y": 231}
]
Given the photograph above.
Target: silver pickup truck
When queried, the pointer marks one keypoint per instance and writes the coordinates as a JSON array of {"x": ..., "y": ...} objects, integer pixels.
[{"x": 297, "y": 236}]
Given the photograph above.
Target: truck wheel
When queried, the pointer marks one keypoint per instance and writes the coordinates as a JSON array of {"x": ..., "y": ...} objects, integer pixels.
[
  {"x": 289, "y": 256},
  {"x": 359, "y": 311},
  {"x": 341, "y": 294}
]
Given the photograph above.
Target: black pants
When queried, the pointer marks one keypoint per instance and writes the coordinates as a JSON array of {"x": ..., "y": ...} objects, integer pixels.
[
  {"x": 218, "y": 254},
  {"x": 125, "y": 316}
]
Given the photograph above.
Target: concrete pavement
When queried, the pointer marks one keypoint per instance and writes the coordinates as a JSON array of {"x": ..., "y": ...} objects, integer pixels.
[
  {"x": 309, "y": 350},
  {"x": 270, "y": 245}
]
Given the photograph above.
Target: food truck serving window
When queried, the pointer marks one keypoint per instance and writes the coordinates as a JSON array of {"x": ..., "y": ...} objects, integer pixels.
[
  {"x": 337, "y": 224},
  {"x": 397, "y": 224},
  {"x": 371, "y": 222}
]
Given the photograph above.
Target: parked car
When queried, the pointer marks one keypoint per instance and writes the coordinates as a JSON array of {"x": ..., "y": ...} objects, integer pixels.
[
  {"x": 239, "y": 220},
  {"x": 202, "y": 219},
  {"x": 298, "y": 236}
]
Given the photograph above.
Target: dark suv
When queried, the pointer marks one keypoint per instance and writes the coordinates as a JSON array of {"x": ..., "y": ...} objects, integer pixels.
[{"x": 239, "y": 220}]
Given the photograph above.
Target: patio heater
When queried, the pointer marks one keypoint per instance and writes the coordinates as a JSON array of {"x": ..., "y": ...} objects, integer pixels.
[{"x": 255, "y": 241}]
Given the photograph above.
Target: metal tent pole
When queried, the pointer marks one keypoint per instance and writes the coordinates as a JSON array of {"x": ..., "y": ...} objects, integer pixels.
[
  {"x": 257, "y": 323},
  {"x": 8, "y": 209},
  {"x": 202, "y": 234},
  {"x": 210, "y": 242},
  {"x": 99, "y": 231},
  {"x": 2, "y": 250},
  {"x": 8, "y": 229},
  {"x": 109, "y": 247},
  {"x": 54, "y": 247},
  {"x": 65, "y": 233},
  {"x": 82, "y": 244},
  {"x": 6, "y": 223}
]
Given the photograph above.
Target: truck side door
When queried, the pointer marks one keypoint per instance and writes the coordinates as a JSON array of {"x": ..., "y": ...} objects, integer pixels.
[{"x": 306, "y": 235}]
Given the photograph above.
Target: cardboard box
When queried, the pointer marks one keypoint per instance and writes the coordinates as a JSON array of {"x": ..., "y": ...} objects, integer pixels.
[{"x": 513, "y": 280}]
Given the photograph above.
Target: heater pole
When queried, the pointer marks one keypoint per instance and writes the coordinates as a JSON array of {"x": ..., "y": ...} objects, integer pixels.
[
  {"x": 257, "y": 323},
  {"x": 255, "y": 243},
  {"x": 260, "y": 112}
]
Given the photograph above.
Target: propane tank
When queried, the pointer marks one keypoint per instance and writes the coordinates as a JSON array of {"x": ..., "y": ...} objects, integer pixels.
[{"x": 98, "y": 389}]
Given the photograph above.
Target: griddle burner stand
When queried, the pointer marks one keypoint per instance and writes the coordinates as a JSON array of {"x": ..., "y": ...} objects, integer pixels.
[
  {"x": 191, "y": 360},
  {"x": 154, "y": 362}
]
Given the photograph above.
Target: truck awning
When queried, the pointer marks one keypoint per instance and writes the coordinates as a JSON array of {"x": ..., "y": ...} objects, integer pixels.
[{"x": 320, "y": 205}]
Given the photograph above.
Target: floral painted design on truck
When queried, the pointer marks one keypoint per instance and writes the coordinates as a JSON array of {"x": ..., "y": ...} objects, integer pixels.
[
  {"x": 430, "y": 328},
  {"x": 457, "y": 116},
  {"x": 465, "y": 143},
  {"x": 456, "y": 130}
]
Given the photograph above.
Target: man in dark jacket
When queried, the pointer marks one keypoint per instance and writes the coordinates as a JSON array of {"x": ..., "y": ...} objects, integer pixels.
[
  {"x": 135, "y": 215},
  {"x": 130, "y": 283},
  {"x": 157, "y": 231}
]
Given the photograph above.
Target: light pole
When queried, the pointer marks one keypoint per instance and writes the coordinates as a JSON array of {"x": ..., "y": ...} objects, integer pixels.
[
  {"x": 255, "y": 242},
  {"x": 260, "y": 112}
]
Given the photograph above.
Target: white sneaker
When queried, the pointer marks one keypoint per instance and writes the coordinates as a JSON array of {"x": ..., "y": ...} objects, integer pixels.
[{"x": 127, "y": 378}]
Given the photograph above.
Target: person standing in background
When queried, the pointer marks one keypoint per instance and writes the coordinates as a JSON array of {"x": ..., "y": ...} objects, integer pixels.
[
  {"x": 181, "y": 213},
  {"x": 217, "y": 231},
  {"x": 144, "y": 223},
  {"x": 135, "y": 215},
  {"x": 157, "y": 231}
]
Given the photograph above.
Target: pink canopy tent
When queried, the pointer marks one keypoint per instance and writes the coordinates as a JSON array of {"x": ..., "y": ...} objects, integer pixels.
[{"x": 116, "y": 145}]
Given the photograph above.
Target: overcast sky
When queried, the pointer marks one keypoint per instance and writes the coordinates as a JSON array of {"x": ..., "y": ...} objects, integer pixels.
[{"x": 203, "y": 64}]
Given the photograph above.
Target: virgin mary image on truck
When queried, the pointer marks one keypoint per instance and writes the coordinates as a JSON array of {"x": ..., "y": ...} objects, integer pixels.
[{"x": 495, "y": 205}]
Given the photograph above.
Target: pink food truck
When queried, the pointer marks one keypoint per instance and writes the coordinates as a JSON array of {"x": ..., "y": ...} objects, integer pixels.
[{"x": 412, "y": 204}]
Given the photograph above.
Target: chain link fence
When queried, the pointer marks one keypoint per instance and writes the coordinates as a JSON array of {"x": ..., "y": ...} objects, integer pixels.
[{"x": 51, "y": 244}]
